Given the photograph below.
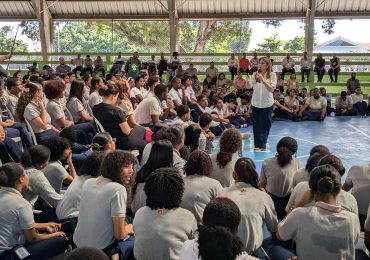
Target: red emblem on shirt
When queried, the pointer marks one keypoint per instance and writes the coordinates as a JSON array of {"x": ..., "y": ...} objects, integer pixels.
[
  {"x": 159, "y": 212},
  {"x": 243, "y": 190}
]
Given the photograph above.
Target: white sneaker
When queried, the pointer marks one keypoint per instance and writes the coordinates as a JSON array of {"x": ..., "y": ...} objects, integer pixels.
[{"x": 332, "y": 114}]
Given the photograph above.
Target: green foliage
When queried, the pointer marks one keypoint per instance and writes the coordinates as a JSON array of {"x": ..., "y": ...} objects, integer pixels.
[
  {"x": 328, "y": 25},
  {"x": 271, "y": 44},
  {"x": 31, "y": 29},
  {"x": 272, "y": 23},
  {"x": 295, "y": 45},
  {"x": 6, "y": 41}
]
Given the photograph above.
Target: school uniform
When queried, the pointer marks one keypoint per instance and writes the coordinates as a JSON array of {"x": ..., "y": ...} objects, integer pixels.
[
  {"x": 199, "y": 190},
  {"x": 16, "y": 216},
  {"x": 160, "y": 234},
  {"x": 176, "y": 95},
  {"x": 301, "y": 175},
  {"x": 279, "y": 181},
  {"x": 56, "y": 174},
  {"x": 95, "y": 225},
  {"x": 94, "y": 99},
  {"x": 323, "y": 231},
  {"x": 359, "y": 177},
  {"x": 223, "y": 175},
  {"x": 367, "y": 222},
  {"x": 257, "y": 209},
  {"x": 39, "y": 186},
  {"x": 190, "y": 251},
  {"x": 344, "y": 199}
]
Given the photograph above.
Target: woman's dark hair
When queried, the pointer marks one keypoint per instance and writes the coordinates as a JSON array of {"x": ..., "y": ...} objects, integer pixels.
[
  {"x": 137, "y": 79},
  {"x": 230, "y": 143},
  {"x": 109, "y": 90},
  {"x": 199, "y": 163},
  {"x": 77, "y": 90},
  {"x": 57, "y": 146},
  {"x": 10, "y": 173},
  {"x": 86, "y": 77},
  {"x": 222, "y": 212},
  {"x": 92, "y": 165},
  {"x": 286, "y": 148},
  {"x": 36, "y": 155},
  {"x": 113, "y": 163},
  {"x": 218, "y": 243},
  {"x": 26, "y": 98},
  {"x": 322, "y": 149},
  {"x": 69, "y": 134},
  {"x": 164, "y": 189},
  {"x": 184, "y": 79},
  {"x": 53, "y": 88},
  {"x": 99, "y": 141},
  {"x": 192, "y": 134},
  {"x": 246, "y": 171},
  {"x": 325, "y": 179},
  {"x": 161, "y": 156},
  {"x": 157, "y": 128},
  {"x": 175, "y": 134},
  {"x": 312, "y": 161},
  {"x": 334, "y": 161},
  {"x": 220, "y": 74},
  {"x": 94, "y": 82}
]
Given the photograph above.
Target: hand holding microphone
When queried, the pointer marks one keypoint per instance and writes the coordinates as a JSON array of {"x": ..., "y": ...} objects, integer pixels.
[{"x": 258, "y": 76}]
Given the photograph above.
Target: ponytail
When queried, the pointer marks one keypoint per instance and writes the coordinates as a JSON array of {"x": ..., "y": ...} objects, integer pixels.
[
  {"x": 325, "y": 179},
  {"x": 246, "y": 171},
  {"x": 109, "y": 90},
  {"x": 286, "y": 148}
]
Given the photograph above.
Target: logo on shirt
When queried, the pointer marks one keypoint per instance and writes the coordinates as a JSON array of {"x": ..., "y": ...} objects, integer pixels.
[
  {"x": 243, "y": 191},
  {"x": 159, "y": 212},
  {"x": 98, "y": 183}
]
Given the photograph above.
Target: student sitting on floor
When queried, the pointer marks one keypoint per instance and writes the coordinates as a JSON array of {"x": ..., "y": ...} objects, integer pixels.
[
  {"x": 315, "y": 107},
  {"x": 344, "y": 105},
  {"x": 217, "y": 239},
  {"x": 256, "y": 206},
  {"x": 17, "y": 226},
  {"x": 336, "y": 229},
  {"x": 280, "y": 111},
  {"x": 358, "y": 102},
  {"x": 161, "y": 227},
  {"x": 102, "y": 225},
  {"x": 278, "y": 172}
]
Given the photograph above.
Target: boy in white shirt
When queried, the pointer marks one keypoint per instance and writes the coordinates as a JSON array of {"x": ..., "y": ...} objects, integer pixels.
[{"x": 358, "y": 102}]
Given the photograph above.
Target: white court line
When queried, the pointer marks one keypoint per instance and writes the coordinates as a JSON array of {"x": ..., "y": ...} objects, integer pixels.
[{"x": 358, "y": 130}]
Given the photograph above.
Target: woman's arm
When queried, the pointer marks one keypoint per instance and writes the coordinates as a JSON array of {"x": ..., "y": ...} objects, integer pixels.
[
  {"x": 121, "y": 229},
  {"x": 132, "y": 121},
  {"x": 125, "y": 128},
  {"x": 64, "y": 122},
  {"x": 84, "y": 116}
]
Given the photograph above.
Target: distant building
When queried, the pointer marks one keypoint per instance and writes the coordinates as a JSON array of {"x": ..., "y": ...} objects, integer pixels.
[{"x": 341, "y": 45}]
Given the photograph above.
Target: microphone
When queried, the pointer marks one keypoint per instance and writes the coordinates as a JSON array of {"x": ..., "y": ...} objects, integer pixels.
[{"x": 257, "y": 80}]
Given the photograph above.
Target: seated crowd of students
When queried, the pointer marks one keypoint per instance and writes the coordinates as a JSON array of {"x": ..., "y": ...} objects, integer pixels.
[{"x": 148, "y": 150}]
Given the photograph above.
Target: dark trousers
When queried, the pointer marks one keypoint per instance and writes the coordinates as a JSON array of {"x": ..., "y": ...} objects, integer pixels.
[
  {"x": 320, "y": 74},
  {"x": 20, "y": 129},
  {"x": 361, "y": 107},
  {"x": 45, "y": 135},
  {"x": 285, "y": 114},
  {"x": 9, "y": 151},
  {"x": 307, "y": 72},
  {"x": 284, "y": 71},
  {"x": 246, "y": 70},
  {"x": 101, "y": 69},
  {"x": 280, "y": 204},
  {"x": 311, "y": 116},
  {"x": 335, "y": 72},
  {"x": 44, "y": 249},
  {"x": 235, "y": 121},
  {"x": 85, "y": 132},
  {"x": 233, "y": 71},
  {"x": 89, "y": 69},
  {"x": 262, "y": 120},
  {"x": 352, "y": 112}
]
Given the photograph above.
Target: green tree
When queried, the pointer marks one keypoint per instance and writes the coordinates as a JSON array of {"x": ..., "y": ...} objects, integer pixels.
[
  {"x": 328, "y": 26},
  {"x": 6, "y": 41},
  {"x": 271, "y": 44},
  {"x": 272, "y": 23},
  {"x": 295, "y": 45}
]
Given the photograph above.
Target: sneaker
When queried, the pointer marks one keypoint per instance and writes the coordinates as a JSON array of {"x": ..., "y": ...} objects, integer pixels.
[{"x": 332, "y": 114}]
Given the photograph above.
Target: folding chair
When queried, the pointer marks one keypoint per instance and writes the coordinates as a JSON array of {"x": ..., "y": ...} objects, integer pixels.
[
  {"x": 30, "y": 130},
  {"x": 99, "y": 125}
]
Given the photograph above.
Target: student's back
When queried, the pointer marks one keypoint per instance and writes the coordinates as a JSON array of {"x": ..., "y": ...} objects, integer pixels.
[{"x": 161, "y": 233}]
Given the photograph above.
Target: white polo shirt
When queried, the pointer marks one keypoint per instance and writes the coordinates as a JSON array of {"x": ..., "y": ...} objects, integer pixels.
[
  {"x": 176, "y": 95},
  {"x": 223, "y": 175},
  {"x": 301, "y": 175},
  {"x": 146, "y": 108},
  {"x": 257, "y": 209},
  {"x": 359, "y": 177},
  {"x": 199, "y": 190},
  {"x": 262, "y": 98},
  {"x": 322, "y": 232}
]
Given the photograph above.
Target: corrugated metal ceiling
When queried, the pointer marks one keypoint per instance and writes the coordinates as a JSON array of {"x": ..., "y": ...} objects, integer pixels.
[{"x": 186, "y": 9}]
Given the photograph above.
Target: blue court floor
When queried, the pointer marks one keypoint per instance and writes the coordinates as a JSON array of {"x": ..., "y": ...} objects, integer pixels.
[{"x": 346, "y": 137}]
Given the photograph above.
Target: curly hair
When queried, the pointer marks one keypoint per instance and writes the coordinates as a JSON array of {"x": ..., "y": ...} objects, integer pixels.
[
  {"x": 34, "y": 156},
  {"x": 286, "y": 148},
  {"x": 230, "y": 143},
  {"x": 322, "y": 149},
  {"x": 54, "y": 88},
  {"x": 164, "y": 189},
  {"x": 25, "y": 99},
  {"x": 199, "y": 163},
  {"x": 334, "y": 161},
  {"x": 57, "y": 145},
  {"x": 325, "y": 179}
]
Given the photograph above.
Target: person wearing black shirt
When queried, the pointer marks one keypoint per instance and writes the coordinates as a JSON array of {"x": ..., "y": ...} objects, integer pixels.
[
  {"x": 334, "y": 68},
  {"x": 113, "y": 119},
  {"x": 320, "y": 67}
]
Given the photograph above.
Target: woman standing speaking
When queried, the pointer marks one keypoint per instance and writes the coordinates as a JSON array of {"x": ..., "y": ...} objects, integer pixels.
[{"x": 263, "y": 82}]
